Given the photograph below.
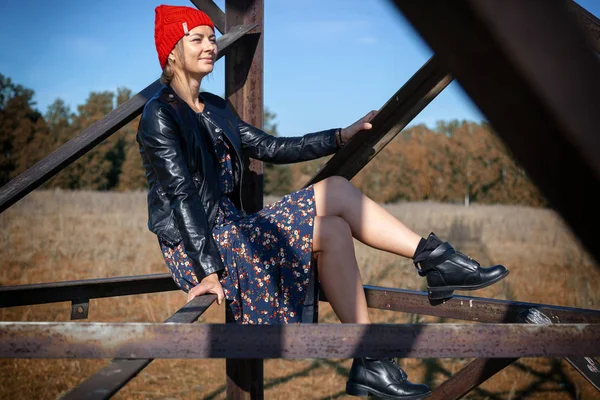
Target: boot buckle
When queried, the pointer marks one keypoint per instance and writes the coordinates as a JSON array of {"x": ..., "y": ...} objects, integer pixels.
[{"x": 420, "y": 270}]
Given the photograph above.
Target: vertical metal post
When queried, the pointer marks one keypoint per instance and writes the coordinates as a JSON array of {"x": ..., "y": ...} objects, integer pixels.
[
  {"x": 244, "y": 90},
  {"x": 244, "y": 85}
]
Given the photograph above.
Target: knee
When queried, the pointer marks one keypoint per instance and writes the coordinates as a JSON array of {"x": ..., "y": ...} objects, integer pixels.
[
  {"x": 337, "y": 182},
  {"x": 339, "y": 186},
  {"x": 334, "y": 233},
  {"x": 333, "y": 194}
]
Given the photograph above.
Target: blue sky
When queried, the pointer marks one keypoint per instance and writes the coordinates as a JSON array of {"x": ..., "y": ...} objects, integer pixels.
[{"x": 327, "y": 63}]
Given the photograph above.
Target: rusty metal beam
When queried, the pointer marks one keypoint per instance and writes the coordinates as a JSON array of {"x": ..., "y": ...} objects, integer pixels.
[
  {"x": 470, "y": 308},
  {"x": 42, "y": 293},
  {"x": 213, "y": 11},
  {"x": 586, "y": 366},
  {"x": 157, "y": 340},
  {"x": 471, "y": 376},
  {"x": 399, "y": 110},
  {"x": 110, "y": 379},
  {"x": 533, "y": 73},
  {"x": 244, "y": 86},
  {"x": 69, "y": 152},
  {"x": 459, "y": 307},
  {"x": 244, "y": 90},
  {"x": 482, "y": 369}
]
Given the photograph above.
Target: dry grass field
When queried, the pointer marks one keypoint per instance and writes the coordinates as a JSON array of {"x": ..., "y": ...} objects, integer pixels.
[{"x": 57, "y": 236}]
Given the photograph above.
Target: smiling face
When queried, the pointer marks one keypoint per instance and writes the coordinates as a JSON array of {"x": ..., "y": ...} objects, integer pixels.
[{"x": 196, "y": 53}]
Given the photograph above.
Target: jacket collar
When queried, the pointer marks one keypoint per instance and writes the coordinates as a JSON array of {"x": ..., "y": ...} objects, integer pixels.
[
  {"x": 215, "y": 109},
  {"x": 170, "y": 96}
]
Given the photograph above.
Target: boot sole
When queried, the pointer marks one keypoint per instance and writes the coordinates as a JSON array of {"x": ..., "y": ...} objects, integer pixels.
[
  {"x": 356, "y": 389},
  {"x": 445, "y": 292}
]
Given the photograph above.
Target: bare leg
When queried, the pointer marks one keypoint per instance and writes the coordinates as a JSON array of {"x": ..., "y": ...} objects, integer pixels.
[
  {"x": 341, "y": 282},
  {"x": 338, "y": 270},
  {"x": 369, "y": 222}
]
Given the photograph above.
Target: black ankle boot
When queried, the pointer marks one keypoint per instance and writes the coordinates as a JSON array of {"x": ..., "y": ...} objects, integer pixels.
[
  {"x": 383, "y": 378},
  {"x": 448, "y": 270}
]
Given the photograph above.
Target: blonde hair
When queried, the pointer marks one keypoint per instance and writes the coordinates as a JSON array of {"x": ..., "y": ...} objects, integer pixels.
[{"x": 169, "y": 71}]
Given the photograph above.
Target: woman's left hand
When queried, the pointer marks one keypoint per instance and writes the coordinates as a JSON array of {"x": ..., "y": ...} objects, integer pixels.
[{"x": 362, "y": 124}]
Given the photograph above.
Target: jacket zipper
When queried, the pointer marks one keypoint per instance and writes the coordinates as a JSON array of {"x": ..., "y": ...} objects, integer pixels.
[{"x": 218, "y": 129}]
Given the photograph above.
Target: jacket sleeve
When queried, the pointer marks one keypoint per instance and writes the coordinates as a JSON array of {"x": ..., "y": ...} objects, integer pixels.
[
  {"x": 284, "y": 150},
  {"x": 161, "y": 142}
]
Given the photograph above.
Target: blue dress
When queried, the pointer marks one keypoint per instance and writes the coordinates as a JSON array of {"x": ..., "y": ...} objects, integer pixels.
[{"x": 267, "y": 255}]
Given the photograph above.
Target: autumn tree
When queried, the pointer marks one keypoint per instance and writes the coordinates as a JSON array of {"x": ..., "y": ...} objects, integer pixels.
[
  {"x": 457, "y": 161},
  {"x": 133, "y": 175}
]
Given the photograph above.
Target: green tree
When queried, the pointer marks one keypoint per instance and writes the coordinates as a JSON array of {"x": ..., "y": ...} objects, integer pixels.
[
  {"x": 57, "y": 119},
  {"x": 93, "y": 169},
  {"x": 20, "y": 124}
]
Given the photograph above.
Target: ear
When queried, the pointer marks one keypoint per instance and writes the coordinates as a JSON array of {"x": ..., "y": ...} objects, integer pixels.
[{"x": 172, "y": 56}]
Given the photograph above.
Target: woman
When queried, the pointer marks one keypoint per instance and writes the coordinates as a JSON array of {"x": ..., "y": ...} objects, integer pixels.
[{"x": 191, "y": 145}]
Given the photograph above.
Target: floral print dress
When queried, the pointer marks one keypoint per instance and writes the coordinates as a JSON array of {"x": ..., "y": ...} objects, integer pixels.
[{"x": 267, "y": 255}]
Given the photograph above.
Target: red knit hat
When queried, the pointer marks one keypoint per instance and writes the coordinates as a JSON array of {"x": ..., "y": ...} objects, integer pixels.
[{"x": 171, "y": 24}]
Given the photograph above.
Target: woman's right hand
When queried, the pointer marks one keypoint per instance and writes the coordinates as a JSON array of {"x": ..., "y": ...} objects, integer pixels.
[{"x": 210, "y": 284}]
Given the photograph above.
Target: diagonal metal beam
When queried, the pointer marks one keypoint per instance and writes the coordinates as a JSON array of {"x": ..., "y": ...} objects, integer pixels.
[
  {"x": 482, "y": 369},
  {"x": 400, "y": 109},
  {"x": 158, "y": 340},
  {"x": 110, "y": 379},
  {"x": 532, "y": 71},
  {"x": 409, "y": 100},
  {"x": 459, "y": 307},
  {"x": 213, "y": 11},
  {"x": 586, "y": 366},
  {"x": 589, "y": 23},
  {"x": 69, "y": 152},
  {"x": 468, "y": 378}
]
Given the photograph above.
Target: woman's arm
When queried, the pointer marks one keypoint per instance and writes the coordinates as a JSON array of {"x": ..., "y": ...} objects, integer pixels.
[
  {"x": 159, "y": 139},
  {"x": 282, "y": 150}
]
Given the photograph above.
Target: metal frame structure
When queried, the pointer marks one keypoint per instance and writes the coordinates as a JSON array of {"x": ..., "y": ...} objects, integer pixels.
[{"x": 530, "y": 60}]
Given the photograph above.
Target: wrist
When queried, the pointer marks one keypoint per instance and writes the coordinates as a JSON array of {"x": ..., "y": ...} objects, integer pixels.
[
  {"x": 210, "y": 278},
  {"x": 339, "y": 138}
]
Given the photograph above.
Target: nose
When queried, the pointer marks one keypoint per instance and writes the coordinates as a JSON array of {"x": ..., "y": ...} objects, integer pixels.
[{"x": 210, "y": 46}]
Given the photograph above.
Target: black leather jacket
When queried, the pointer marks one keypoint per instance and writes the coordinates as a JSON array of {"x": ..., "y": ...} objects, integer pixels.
[{"x": 176, "y": 145}]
